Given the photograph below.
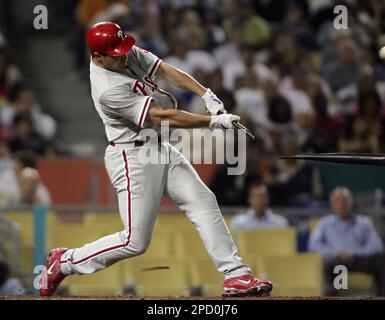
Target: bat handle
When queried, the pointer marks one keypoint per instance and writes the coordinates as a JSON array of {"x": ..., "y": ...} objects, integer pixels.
[{"x": 241, "y": 127}]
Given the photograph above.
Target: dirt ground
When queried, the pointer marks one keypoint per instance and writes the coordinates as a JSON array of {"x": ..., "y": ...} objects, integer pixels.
[{"x": 184, "y": 298}]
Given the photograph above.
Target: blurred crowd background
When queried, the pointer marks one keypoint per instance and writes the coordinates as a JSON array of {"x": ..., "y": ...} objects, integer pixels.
[{"x": 299, "y": 84}]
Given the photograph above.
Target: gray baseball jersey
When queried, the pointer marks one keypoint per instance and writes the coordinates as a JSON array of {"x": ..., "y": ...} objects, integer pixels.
[{"x": 122, "y": 101}]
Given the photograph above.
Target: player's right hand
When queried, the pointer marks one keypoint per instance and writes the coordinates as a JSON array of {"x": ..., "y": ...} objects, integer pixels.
[{"x": 224, "y": 121}]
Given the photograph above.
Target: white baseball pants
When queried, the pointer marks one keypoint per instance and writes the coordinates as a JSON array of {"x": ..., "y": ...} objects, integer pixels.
[{"x": 140, "y": 188}]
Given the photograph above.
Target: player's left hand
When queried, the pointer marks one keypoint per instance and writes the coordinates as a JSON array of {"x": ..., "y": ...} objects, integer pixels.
[
  {"x": 213, "y": 105},
  {"x": 224, "y": 121}
]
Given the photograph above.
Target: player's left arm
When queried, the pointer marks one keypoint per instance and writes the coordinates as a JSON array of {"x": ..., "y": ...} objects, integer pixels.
[{"x": 183, "y": 80}]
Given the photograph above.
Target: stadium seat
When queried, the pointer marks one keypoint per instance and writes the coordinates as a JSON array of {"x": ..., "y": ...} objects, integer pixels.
[
  {"x": 25, "y": 220},
  {"x": 72, "y": 235},
  {"x": 295, "y": 275},
  {"x": 105, "y": 282},
  {"x": 268, "y": 242},
  {"x": 176, "y": 220},
  {"x": 254, "y": 262},
  {"x": 363, "y": 283},
  {"x": 110, "y": 221},
  {"x": 160, "y": 282},
  {"x": 205, "y": 277},
  {"x": 94, "y": 290},
  {"x": 188, "y": 244},
  {"x": 162, "y": 243}
]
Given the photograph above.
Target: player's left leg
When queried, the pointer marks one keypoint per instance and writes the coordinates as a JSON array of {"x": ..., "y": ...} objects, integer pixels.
[
  {"x": 185, "y": 187},
  {"x": 139, "y": 188}
]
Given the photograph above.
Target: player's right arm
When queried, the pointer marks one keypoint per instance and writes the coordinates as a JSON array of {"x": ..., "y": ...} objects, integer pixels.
[
  {"x": 120, "y": 104},
  {"x": 181, "y": 119}
]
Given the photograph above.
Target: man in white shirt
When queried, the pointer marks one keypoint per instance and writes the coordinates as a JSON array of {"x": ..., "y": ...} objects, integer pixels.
[
  {"x": 259, "y": 215},
  {"x": 21, "y": 185}
]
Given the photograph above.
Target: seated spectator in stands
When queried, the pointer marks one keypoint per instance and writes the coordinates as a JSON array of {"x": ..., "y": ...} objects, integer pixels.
[
  {"x": 366, "y": 82},
  {"x": 330, "y": 125},
  {"x": 24, "y": 136},
  {"x": 250, "y": 97},
  {"x": 343, "y": 72},
  {"x": 311, "y": 139},
  {"x": 197, "y": 56},
  {"x": 230, "y": 50},
  {"x": 9, "y": 286},
  {"x": 256, "y": 30},
  {"x": 370, "y": 109},
  {"x": 238, "y": 68},
  {"x": 21, "y": 185},
  {"x": 359, "y": 139},
  {"x": 279, "y": 113},
  {"x": 115, "y": 11},
  {"x": 259, "y": 215},
  {"x": 6, "y": 161},
  {"x": 231, "y": 190},
  {"x": 344, "y": 238},
  {"x": 23, "y": 101},
  {"x": 9, "y": 75},
  {"x": 292, "y": 182}
]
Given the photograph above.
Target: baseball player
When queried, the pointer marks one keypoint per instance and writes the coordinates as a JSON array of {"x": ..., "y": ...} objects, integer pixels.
[{"x": 127, "y": 98}]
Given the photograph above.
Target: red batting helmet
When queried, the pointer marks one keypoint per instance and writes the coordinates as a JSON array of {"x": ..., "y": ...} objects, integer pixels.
[{"x": 108, "y": 38}]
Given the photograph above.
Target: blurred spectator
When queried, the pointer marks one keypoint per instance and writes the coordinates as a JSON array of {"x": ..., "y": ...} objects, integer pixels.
[
  {"x": 359, "y": 139},
  {"x": 21, "y": 185},
  {"x": 212, "y": 81},
  {"x": 178, "y": 57},
  {"x": 24, "y": 136},
  {"x": 328, "y": 124},
  {"x": 250, "y": 97},
  {"x": 230, "y": 50},
  {"x": 292, "y": 182},
  {"x": 344, "y": 238},
  {"x": 9, "y": 286},
  {"x": 238, "y": 68},
  {"x": 295, "y": 22},
  {"x": 280, "y": 113},
  {"x": 6, "y": 161},
  {"x": 310, "y": 138},
  {"x": 366, "y": 128},
  {"x": 232, "y": 190},
  {"x": 215, "y": 33},
  {"x": 259, "y": 215},
  {"x": 115, "y": 10},
  {"x": 343, "y": 71},
  {"x": 23, "y": 102},
  {"x": 256, "y": 30},
  {"x": 9, "y": 75},
  {"x": 283, "y": 53}
]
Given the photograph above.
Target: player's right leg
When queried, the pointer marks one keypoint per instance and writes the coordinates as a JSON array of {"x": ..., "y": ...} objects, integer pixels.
[{"x": 140, "y": 190}]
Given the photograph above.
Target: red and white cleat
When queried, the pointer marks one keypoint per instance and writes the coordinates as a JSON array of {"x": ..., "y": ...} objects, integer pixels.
[
  {"x": 52, "y": 275},
  {"x": 246, "y": 285}
]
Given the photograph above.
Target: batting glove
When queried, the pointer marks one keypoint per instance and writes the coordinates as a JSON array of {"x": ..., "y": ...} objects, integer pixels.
[
  {"x": 213, "y": 105},
  {"x": 224, "y": 121}
]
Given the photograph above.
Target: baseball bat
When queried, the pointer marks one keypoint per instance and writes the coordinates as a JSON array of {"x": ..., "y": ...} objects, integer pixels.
[
  {"x": 241, "y": 127},
  {"x": 347, "y": 158}
]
